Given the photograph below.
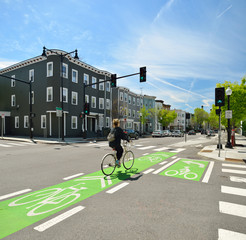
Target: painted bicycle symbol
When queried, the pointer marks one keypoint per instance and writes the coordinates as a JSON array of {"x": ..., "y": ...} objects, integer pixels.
[
  {"x": 184, "y": 171},
  {"x": 49, "y": 200},
  {"x": 154, "y": 158}
]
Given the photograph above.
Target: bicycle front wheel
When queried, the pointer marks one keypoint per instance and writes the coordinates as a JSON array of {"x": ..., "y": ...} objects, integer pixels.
[
  {"x": 128, "y": 160},
  {"x": 108, "y": 164}
]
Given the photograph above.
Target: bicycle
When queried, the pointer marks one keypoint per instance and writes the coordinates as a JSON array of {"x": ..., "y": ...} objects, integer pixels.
[{"x": 108, "y": 164}]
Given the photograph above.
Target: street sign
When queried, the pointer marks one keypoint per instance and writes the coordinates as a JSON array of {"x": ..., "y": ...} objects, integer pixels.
[
  {"x": 228, "y": 114},
  {"x": 59, "y": 112}
]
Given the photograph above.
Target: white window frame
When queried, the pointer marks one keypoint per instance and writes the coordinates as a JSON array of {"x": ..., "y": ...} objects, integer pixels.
[
  {"x": 50, "y": 72},
  {"x": 93, "y": 102},
  {"x": 107, "y": 121},
  {"x": 101, "y": 84},
  {"x": 133, "y": 113},
  {"x": 74, "y": 94},
  {"x": 43, "y": 122},
  {"x": 64, "y": 74},
  {"x": 107, "y": 103},
  {"x": 125, "y": 96},
  {"x": 121, "y": 96},
  {"x": 64, "y": 95},
  {"x": 138, "y": 102},
  {"x": 101, "y": 103},
  {"x": 94, "y": 80},
  {"x": 26, "y": 121},
  {"x": 129, "y": 112},
  {"x": 86, "y": 81},
  {"x": 133, "y": 101},
  {"x": 74, "y": 122},
  {"x": 12, "y": 81},
  {"x": 74, "y": 78},
  {"x": 31, "y": 75},
  {"x": 129, "y": 99},
  {"x": 13, "y": 100},
  {"x": 108, "y": 86},
  {"x": 17, "y": 122},
  {"x": 49, "y": 89}
]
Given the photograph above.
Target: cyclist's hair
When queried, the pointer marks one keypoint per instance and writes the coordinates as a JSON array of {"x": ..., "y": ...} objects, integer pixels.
[{"x": 116, "y": 122}]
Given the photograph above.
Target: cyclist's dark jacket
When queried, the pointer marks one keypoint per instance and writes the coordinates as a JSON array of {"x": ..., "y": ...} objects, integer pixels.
[{"x": 119, "y": 134}]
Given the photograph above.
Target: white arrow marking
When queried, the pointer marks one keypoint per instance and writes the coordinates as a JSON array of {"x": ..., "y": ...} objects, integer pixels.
[{"x": 199, "y": 164}]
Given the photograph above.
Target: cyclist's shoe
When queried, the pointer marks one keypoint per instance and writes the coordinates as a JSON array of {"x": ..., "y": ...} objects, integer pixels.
[{"x": 118, "y": 163}]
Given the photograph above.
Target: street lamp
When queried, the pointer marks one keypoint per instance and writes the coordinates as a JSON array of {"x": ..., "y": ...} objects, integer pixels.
[
  {"x": 228, "y": 144},
  {"x": 62, "y": 55}
]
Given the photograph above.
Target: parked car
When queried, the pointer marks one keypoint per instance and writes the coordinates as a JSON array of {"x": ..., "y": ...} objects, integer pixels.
[
  {"x": 191, "y": 132},
  {"x": 177, "y": 133},
  {"x": 167, "y": 133},
  {"x": 158, "y": 133},
  {"x": 131, "y": 133}
]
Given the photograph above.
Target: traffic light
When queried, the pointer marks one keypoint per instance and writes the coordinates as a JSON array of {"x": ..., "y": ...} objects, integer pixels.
[
  {"x": 113, "y": 80},
  {"x": 143, "y": 74},
  {"x": 220, "y": 96},
  {"x": 87, "y": 108}
]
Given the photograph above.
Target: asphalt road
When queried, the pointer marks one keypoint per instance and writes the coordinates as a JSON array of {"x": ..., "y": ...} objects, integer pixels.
[{"x": 147, "y": 206}]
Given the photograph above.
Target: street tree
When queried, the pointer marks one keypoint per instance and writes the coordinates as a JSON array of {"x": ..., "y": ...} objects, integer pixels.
[
  {"x": 165, "y": 117},
  {"x": 144, "y": 115},
  {"x": 200, "y": 117}
]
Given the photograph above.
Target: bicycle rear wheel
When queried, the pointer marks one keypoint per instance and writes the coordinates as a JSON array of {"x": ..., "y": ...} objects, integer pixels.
[
  {"x": 108, "y": 164},
  {"x": 128, "y": 160}
]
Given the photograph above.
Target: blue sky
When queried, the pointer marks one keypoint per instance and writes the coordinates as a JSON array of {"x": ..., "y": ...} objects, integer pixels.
[{"x": 187, "y": 45}]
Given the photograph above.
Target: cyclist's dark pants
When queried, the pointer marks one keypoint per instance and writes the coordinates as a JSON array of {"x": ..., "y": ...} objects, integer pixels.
[{"x": 119, "y": 150}]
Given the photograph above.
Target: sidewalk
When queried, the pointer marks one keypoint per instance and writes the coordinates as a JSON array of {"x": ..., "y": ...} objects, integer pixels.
[{"x": 236, "y": 154}]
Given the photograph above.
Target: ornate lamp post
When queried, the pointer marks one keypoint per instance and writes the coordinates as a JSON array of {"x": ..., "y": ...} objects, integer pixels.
[{"x": 228, "y": 144}]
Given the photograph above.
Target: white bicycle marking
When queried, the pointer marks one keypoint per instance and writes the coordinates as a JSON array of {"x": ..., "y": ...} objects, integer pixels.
[{"x": 184, "y": 171}]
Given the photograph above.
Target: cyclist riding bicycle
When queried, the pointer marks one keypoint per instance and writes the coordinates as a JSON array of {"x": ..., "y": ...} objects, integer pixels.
[{"x": 116, "y": 144}]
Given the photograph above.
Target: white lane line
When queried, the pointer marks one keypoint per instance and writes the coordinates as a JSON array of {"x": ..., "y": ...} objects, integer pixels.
[
  {"x": 160, "y": 149},
  {"x": 229, "y": 235},
  {"x": 112, "y": 190},
  {"x": 149, "y": 171},
  {"x": 232, "y": 209},
  {"x": 162, "y": 163},
  {"x": 3, "y": 145},
  {"x": 178, "y": 150},
  {"x": 208, "y": 173},
  {"x": 138, "y": 145},
  {"x": 17, "y": 144},
  {"x": 144, "y": 148},
  {"x": 58, "y": 219},
  {"x": 145, "y": 154},
  {"x": 237, "y": 179},
  {"x": 73, "y": 176},
  {"x": 15, "y": 194},
  {"x": 166, "y": 166},
  {"x": 233, "y": 190},
  {"x": 233, "y": 165},
  {"x": 173, "y": 157},
  {"x": 233, "y": 171}
]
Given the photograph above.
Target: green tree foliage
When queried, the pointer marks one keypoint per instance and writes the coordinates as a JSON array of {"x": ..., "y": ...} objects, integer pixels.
[
  {"x": 237, "y": 102},
  {"x": 144, "y": 112},
  {"x": 200, "y": 116},
  {"x": 165, "y": 117}
]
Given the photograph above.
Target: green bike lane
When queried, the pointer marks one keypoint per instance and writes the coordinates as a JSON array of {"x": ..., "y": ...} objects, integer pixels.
[{"x": 22, "y": 211}]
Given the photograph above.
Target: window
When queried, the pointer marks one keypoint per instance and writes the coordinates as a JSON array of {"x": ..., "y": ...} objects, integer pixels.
[
  {"x": 74, "y": 122},
  {"x": 74, "y": 76},
  {"x": 16, "y": 122},
  {"x": 31, "y": 97},
  {"x": 43, "y": 121},
  {"x": 31, "y": 75},
  {"x": 133, "y": 113},
  {"x": 93, "y": 102},
  {"x": 133, "y": 100},
  {"x": 138, "y": 103},
  {"x": 108, "y": 86},
  {"x": 64, "y": 94},
  {"x": 49, "y": 94},
  {"x": 94, "y": 80},
  {"x": 121, "y": 96},
  {"x": 26, "y": 121},
  {"x": 74, "y": 98},
  {"x": 86, "y": 79},
  {"x": 129, "y": 112},
  {"x": 49, "y": 69},
  {"x": 13, "y": 101},
  {"x": 101, "y": 84},
  {"x": 125, "y": 97},
  {"x": 141, "y": 102},
  {"x": 129, "y": 99},
  {"x": 101, "y": 103},
  {"x": 64, "y": 70},
  {"x": 87, "y": 98},
  {"x": 107, "y": 121},
  {"x": 13, "y": 81},
  {"x": 107, "y": 103}
]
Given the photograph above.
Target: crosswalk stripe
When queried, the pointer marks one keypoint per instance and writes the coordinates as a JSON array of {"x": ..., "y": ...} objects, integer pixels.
[
  {"x": 160, "y": 149},
  {"x": 233, "y": 165},
  {"x": 178, "y": 150},
  {"x": 237, "y": 179},
  {"x": 229, "y": 235},
  {"x": 233, "y": 190},
  {"x": 233, "y": 171},
  {"x": 232, "y": 209},
  {"x": 144, "y": 148}
]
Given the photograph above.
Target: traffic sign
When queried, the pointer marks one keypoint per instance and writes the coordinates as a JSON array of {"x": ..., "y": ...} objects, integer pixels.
[
  {"x": 59, "y": 112},
  {"x": 228, "y": 114}
]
